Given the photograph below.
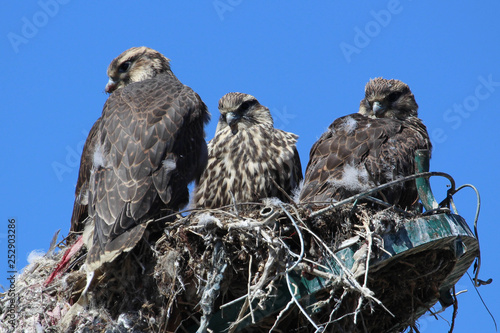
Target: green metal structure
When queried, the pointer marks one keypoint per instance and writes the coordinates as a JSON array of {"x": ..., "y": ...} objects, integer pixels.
[{"x": 437, "y": 229}]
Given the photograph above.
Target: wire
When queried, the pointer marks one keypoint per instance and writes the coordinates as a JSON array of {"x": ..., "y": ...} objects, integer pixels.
[
  {"x": 296, "y": 301},
  {"x": 299, "y": 233},
  {"x": 476, "y": 218},
  {"x": 386, "y": 185},
  {"x": 480, "y": 297}
]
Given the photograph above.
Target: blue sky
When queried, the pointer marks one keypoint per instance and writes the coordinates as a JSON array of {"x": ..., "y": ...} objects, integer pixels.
[{"x": 307, "y": 61}]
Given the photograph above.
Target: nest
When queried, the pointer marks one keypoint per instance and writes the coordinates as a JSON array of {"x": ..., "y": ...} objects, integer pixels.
[{"x": 234, "y": 269}]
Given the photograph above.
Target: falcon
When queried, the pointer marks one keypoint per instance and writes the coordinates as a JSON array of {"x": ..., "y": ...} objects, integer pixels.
[
  {"x": 369, "y": 148},
  {"x": 80, "y": 207},
  {"x": 140, "y": 156},
  {"x": 248, "y": 159}
]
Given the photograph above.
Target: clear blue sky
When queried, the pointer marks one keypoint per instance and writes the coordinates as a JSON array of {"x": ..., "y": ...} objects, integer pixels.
[{"x": 308, "y": 61}]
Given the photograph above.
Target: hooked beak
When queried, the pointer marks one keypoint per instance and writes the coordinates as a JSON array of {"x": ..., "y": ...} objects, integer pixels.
[
  {"x": 378, "y": 108},
  {"x": 110, "y": 86},
  {"x": 232, "y": 120}
]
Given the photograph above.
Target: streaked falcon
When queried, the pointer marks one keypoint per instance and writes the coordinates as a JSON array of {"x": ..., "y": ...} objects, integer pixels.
[
  {"x": 369, "y": 148},
  {"x": 248, "y": 159},
  {"x": 141, "y": 154}
]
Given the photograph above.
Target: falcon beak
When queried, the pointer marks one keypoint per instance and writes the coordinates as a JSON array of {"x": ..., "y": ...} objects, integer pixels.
[
  {"x": 378, "y": 108},
  {"x": 232, "y": 120},
  {"x": 110, "y": 86}
]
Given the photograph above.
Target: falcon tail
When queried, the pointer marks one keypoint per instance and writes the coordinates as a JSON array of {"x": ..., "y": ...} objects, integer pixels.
[{"x": 125, "y": 242}]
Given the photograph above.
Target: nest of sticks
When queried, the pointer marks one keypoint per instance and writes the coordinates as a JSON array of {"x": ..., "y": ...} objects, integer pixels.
[{"x": 237, "y": 267}]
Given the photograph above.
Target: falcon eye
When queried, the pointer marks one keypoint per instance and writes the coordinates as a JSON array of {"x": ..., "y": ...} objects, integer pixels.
[{"x": 124, "y": 67}]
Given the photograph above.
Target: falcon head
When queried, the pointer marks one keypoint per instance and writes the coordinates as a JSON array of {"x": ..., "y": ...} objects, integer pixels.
[
  {"x": 241, "y": 111},
  {"x": 134, "y": 65},
  {"x": 388, "y": 99}
]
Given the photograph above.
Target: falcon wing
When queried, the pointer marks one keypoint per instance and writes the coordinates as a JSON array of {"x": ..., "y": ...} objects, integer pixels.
[
  {"x": 80, "y": 207},
  {"x": 139, "y": 157},
  {"x": 358, "y": 153},
  {"x": 287, "y": 166}
]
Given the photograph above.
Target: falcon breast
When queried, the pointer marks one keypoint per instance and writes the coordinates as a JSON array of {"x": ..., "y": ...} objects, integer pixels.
[
  {"x": 369, "y": 148},
  {"x": 141, "y": 154},
  {"x": 248, "y": 159}
]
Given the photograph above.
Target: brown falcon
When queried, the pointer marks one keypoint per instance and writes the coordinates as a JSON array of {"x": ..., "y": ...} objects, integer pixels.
[
  {"x": 80, "y": 207},
  {"x": 140, "y": 155},
  {"x": 246, "y": 155},
  {"x": 372, "y": 147}
]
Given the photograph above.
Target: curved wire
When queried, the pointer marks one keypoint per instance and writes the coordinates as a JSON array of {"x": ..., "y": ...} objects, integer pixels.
[
  {"x": 476, "y": 218},
  {"x": 302, "y": 246},
  {"x": 386, "y": 185},
  {"x": 296, "y": 301},
  {"x": 484, "y": 303},
  {"x": 449, "y": 200}
]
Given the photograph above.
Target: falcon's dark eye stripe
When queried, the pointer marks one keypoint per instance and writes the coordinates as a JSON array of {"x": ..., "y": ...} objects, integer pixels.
[
  {"x": 393, "y": 96},
  {"x": 124, "y": 67},
  {"x": 247, "y": 104}
]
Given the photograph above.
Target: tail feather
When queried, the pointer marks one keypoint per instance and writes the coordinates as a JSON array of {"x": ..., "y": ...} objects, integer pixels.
[{"x": 125, "y": 242}]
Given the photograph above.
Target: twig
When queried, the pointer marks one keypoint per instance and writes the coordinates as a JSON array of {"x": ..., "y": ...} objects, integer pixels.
[
  {"x": 271, "y": 259},
  {"x": 318, "y": 273},
  {"x": 337, "y": 306},
  {"x": 369, "y": 237},
  {"x": 351, "y": 280},
  {"x": 251, "y": 295},
  {"x": 250, "y": 224},
  {"x": 282, "y": 312},
  {"x": 235, "y": 207},
  {"x": 290, "y": 200},
  {"x": 225, "y": 305},
  {"x": 249, "y": 284},
  {"x": 455, "y": 311},
  {"x": 212, "y": 287}
]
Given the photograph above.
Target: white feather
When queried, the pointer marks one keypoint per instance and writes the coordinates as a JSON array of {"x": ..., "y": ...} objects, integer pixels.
[
  {"x": 296, "y": 192},
  {"x": 169, "y": 165},
  {"x": 98, "y": 159},
  {"x": 349, "y": 125},
  {"x": 353, "y": 179},
  {"x": 35, "y": 255},
  {"x": 124, "y": 320},
  {"x": 272, "y": 201}
]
